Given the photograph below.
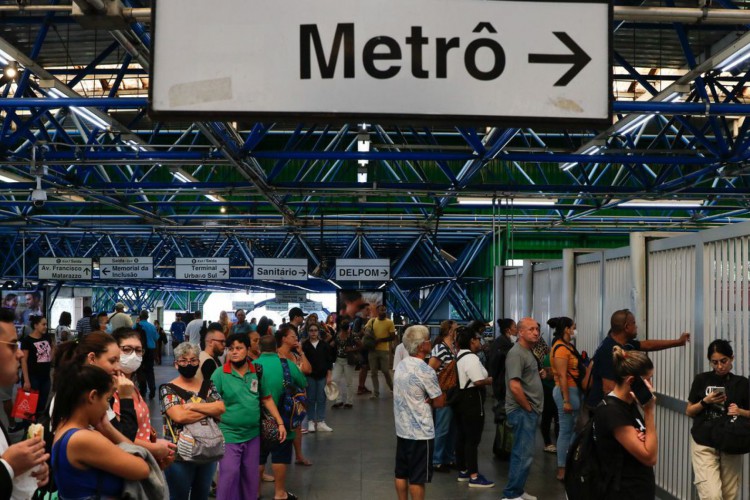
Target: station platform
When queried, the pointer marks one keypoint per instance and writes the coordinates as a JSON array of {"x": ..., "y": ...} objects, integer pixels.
[{"x": 356, "y": 460}]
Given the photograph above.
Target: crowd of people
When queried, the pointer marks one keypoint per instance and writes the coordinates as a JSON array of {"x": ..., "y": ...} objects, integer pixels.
[{"x": 232, "y": 405}]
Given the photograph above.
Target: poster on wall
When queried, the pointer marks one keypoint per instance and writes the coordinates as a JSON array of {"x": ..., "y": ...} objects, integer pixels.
[
  {"x": 351, "y": 304},
  {"x": 25, "y": 303}
]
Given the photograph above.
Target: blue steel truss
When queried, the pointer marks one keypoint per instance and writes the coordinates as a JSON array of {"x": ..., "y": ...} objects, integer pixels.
[{"x": 119, "y": 183}]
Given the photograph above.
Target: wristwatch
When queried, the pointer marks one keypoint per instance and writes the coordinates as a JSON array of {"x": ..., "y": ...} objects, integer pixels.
[{"x": 703, "y": 404}]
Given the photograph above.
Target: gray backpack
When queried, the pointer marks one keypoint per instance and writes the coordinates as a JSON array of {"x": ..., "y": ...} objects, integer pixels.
[{"x": 200, "y": 442}]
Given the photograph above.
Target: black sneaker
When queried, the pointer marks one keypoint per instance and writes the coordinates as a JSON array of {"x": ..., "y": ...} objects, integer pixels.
[{"x": 441, "y": 468}]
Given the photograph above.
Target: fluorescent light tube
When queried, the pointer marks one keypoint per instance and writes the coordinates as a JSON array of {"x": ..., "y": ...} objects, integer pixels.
[
  {"x": 506, "y": 202},
  {"x": 663, "y": 203}
]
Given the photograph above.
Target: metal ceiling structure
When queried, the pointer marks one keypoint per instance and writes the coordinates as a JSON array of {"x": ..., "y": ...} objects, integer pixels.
[{"x": 429, "y": 198}]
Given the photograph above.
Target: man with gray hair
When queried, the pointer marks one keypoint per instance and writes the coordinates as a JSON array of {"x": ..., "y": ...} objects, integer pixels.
[
  {"x": 415, "y": 392},
  {"x": 119, "y": 318}
]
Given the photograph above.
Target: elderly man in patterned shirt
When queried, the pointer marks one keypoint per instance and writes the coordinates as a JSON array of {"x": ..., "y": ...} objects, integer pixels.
[{"x": 415, "y": 392}]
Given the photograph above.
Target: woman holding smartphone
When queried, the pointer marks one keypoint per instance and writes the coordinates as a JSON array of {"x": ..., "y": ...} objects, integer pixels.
[
  {"x": 714, "y": 394},
  {"x": 623, "y": 434}
]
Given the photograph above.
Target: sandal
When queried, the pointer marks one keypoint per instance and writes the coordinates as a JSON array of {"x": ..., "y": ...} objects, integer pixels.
[
  {"x": 289, "y": 496},
  {"x": 302, "y": 461}
]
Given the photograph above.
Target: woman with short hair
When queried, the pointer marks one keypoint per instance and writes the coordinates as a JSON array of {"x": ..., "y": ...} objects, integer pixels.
[
  {"x": 187, "y": 400},
  {"x": 714, "y": 394}
]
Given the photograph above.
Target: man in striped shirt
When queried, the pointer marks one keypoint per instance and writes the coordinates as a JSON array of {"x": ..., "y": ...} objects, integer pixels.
[{"x": 83, "y": 326}]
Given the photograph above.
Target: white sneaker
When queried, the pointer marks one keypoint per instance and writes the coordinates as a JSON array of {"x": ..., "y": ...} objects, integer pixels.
[
  {"x": 526, "y": 496},
  {"x": 311, "y": 426},
  {"x": 516, "y": 498},
  {"x": 322, "y": 427}
]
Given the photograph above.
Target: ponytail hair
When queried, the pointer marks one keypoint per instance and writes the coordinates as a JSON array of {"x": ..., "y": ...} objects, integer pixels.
[
  {"x": 722, "y": 347},
  {"x": 79, "y": 381},
  {"x": 72, "y": 354},
  {"x": 630, "y": 363},
  {"x": 559, "y": 325}
]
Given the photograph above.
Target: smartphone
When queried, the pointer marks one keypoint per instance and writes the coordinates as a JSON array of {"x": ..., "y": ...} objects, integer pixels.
[
  {"x": 642, "y": 393},
  {"x": 715, "y": 388}
]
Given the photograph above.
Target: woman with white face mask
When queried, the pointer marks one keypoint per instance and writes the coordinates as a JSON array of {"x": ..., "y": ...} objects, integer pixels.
[
  {"x": 131, "y": 357},
  {"x": 570, "y": 374},
  {"x": 100, "y": 349}
]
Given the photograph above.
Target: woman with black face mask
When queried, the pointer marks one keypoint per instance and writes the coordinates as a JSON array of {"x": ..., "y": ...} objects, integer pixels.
[{"x": 186, "y": 400}]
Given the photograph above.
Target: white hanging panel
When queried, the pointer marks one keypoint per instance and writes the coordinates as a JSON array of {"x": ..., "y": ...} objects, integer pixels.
[
  {"x": 543, "y": 294},
  {"x": 671, "y": 310},
  {"x": 671, "y": 293},
  {"x": 588, "y": 295},
  {"x": 673, "y": 468},
  {"x": 513, "y": 295},
  {"x": 618, "y": 286},
  {"x": 556, "y": 286}
]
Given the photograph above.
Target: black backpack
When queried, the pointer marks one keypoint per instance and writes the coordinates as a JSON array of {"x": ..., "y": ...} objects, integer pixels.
[{"x": 587, "y": 475}]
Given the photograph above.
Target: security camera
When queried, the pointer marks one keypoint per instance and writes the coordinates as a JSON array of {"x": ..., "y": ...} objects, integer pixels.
[{"x": 38, "y": 197}]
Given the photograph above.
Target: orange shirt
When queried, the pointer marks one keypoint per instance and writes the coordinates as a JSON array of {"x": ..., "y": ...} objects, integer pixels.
[{"x": 563, "y": 352}]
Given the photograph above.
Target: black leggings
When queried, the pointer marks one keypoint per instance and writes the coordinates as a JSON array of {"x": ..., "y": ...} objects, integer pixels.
[
  {"x": 467, "y": 441},
  {"x": 548, "y": 414}
]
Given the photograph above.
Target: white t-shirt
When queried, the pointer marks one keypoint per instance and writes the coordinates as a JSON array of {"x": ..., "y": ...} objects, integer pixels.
[
  {"x": 193, "y": 331},
  {"x": 469, "y": 368},
  {"x": 413, "y": 382}
]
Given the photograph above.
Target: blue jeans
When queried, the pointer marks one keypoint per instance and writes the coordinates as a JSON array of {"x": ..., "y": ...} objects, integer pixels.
[
  {"x": 189, "y": 481},
  {"x": 316, "y": 399},
  {"x": 445, "y": 436},
  {"x": 523, "y": 423},
  {"x": 567, "y": 421}
]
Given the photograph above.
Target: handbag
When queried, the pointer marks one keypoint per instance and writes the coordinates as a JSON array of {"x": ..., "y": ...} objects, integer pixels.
[
  {"x": 269, "y": 428},
  {"x": 369, "y": 342},
  {"x": 453, "y": 395},
  {"x": 731, "y": 434},
  {"x": 200, "y": 442},
  {"x": 25, "y": 405},
  {"x": 269, "y": 432},
  {"x": 293, "y": 406},
  {"x": 448, "y": 376}
]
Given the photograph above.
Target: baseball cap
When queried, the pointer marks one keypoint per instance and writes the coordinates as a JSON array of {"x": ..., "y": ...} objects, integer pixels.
[
  {"x": 119, "y": 305},
  {"x": 296, "y": 311}
]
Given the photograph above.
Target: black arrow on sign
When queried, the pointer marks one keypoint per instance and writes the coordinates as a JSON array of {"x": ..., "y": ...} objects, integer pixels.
[
  {"x": 223, "y": 271},
  {"x": 579, "y": 59},
  {"x": 105, "y": 271}
]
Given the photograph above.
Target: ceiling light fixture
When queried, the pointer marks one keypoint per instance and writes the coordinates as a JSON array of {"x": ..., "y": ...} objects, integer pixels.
[
  {"x": 735, "y": 59},
  {"x": 506, "y": 201},
  {"x": 662, "y": 203},
  {"x": 11, "y": 70}
]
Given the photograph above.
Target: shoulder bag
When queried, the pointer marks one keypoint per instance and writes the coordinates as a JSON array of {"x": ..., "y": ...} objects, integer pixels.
[{"x": 199, "y": 442}]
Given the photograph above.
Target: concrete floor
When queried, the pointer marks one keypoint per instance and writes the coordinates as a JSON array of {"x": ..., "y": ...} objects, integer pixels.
[{"x": 356, "y": 460}]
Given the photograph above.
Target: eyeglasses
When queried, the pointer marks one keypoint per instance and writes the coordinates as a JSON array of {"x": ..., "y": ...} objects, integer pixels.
[
  {"x": 722, "y": 361},
  {"x": 129, "y": 349},
  {"x": 185, "y": 362},
  {"x": 15, "y": 346}
]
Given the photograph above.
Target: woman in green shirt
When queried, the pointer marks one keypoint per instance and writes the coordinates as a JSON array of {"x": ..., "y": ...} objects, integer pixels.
[{"x": 240, "y": 388}]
